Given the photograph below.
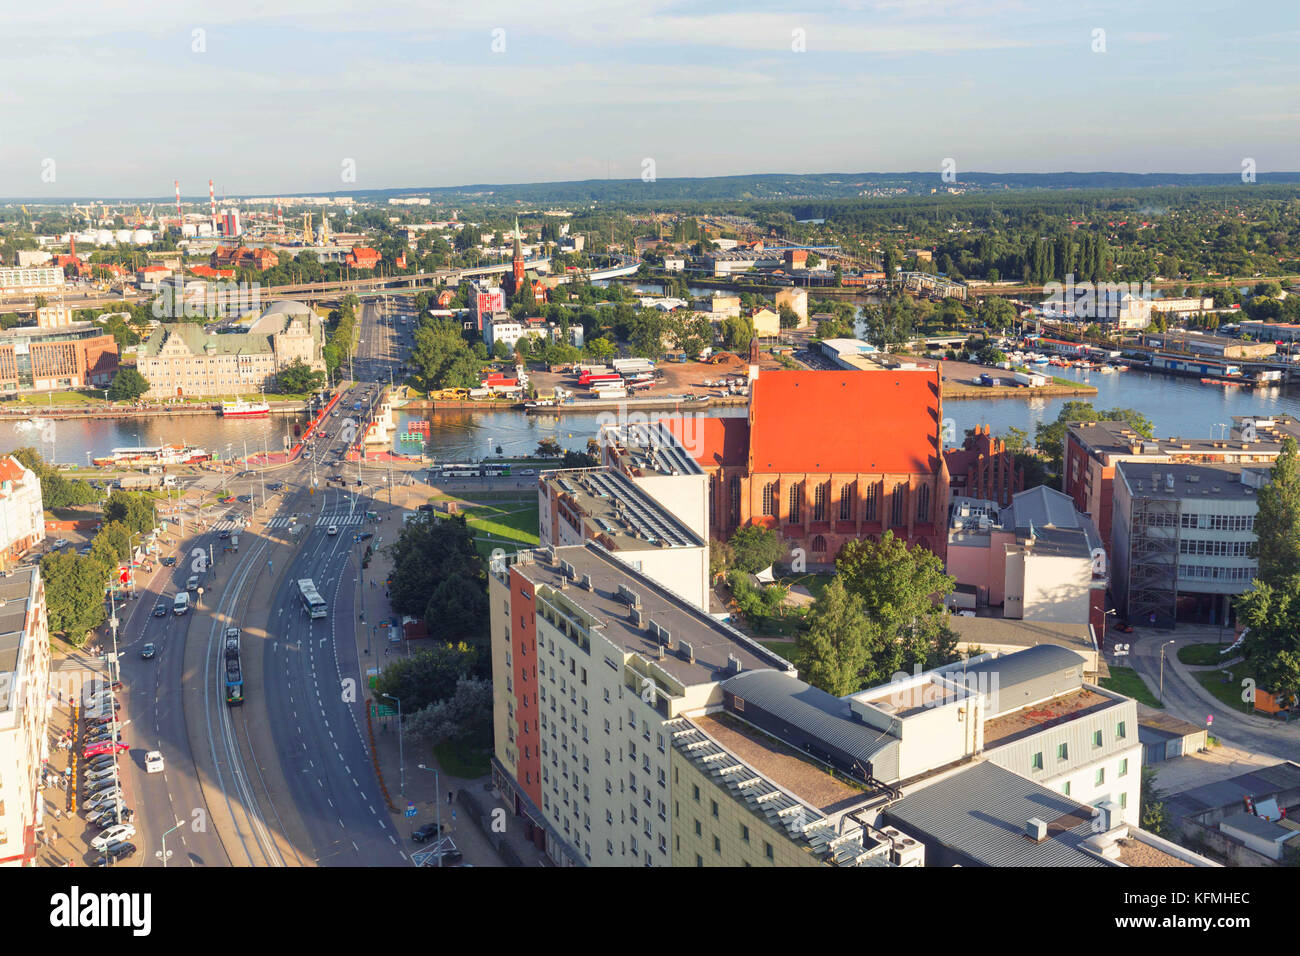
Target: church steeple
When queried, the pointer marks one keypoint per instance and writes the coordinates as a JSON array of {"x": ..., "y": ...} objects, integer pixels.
[{"x": 518, "y": 270}]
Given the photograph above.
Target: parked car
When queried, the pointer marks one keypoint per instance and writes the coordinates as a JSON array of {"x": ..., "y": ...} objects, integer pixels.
[
  {"x": 365, "y": 536},
  {"x": 112, "y": 817},
  {"x": 426, "y": 832},
  {"x": 106, "y": 747},
  {"x": 114, "y": 853},
  {"x": 148, "y": 651},
  {"x": 275, "y": 486},
  {"x": 112, "y": 796},
  {"x": 61, "y": 544},
  {"x": 226, "y": 500},
  {"x": 93, "y": 787},
  {"x": 117, "y": 833}
]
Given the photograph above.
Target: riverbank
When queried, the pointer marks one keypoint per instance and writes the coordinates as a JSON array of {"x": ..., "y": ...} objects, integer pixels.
[
  {"x": 961, "y": 381},
  {"x": 25, "y": 411}
]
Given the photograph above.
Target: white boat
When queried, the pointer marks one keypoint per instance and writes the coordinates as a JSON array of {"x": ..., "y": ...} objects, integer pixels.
[{"x": 243, "y": 409}]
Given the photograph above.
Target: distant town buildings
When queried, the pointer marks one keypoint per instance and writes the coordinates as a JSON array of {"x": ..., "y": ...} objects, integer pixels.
[
  {"x": 58, "y": 357},
  {"x": 260, "y": 259},
  {"x": 30, "y": 281}
]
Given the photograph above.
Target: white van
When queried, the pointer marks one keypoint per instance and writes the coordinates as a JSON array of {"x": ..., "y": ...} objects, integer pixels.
[
  {"x": 193, "y": 583},
  {"x": 181, "y": 603}
]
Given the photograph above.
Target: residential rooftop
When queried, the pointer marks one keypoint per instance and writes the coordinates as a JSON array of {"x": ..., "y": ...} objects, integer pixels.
[
  {"x": 699, "y": 649},
  {"x": 1036, "y": 717},
  {"x": 1106, "y": 439},
  {"x": 617, "y": 512},
  {"x": 1212, "y": 482},
  {"x": 649, "y": 448},
  {"x": 17, "y": 589}
]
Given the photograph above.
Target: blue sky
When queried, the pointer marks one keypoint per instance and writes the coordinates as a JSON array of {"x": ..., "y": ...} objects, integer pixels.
[{"x": 284, "y": 92}]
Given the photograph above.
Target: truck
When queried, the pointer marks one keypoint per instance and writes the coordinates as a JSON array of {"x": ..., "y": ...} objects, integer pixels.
[
  {"x": 630, "y": 365},
  {"x": 1030, "y": 379},
  {"x": 987, "y": 379},
  {"x": 181, "y": 603},
  {"x": 592, "y": 378},
  {"x": 607, "y": 393},
  {"x": 145, "y": 482}
]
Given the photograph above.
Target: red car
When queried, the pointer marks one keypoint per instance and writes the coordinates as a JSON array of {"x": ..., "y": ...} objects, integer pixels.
[
  {"x": 226, "y": 500},
  {"x": 105, "y": 747}
]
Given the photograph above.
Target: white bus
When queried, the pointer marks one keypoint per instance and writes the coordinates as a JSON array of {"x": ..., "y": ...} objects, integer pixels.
[
  {"x": 312, "y": 602},
  {"x": 462, "y": 471}
]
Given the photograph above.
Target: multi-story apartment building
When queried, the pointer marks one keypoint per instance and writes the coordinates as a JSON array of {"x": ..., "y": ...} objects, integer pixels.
[
  {"x": 1183, "y": 539},
  {"x": 182, "y": 359},
  {"x": 1093, "y": 449},
  {"x": 590, "y": 662},
  {"x": 26, "y": 281},
  {"x": 603, "y": 505},
  {"x": 24, "y": 694},
  {"x": 632, "y": 729},
  {"x": 653, "y": 460},
  {"x": 22, "y": 513},
  {"x": 76, "y": 355}
]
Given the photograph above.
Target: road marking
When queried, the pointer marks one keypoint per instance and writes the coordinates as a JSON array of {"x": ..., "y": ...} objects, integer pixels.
[
  {"x": 372, "y": 809},
  {"x": 391, "y": 840}
]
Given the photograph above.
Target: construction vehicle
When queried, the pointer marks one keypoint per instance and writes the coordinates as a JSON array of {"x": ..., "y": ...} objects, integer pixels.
[{"x": 449, "y": 394}]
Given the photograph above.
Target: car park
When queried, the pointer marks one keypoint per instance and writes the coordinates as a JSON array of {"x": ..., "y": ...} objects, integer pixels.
[
  {"x": 160, "y": 610},
  {"x": 148, "y": 651},
  {"x": 117, "y": 833}
]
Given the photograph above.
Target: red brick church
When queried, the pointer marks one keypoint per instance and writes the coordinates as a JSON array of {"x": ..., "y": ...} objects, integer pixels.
[{"x": 826, "y": 457}]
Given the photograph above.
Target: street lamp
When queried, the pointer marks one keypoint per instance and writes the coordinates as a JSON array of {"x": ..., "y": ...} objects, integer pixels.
[
  {"x": 163, "y": 854},
  {"x": 1162, "y": 669},
  {"x": 401, "y": 755},
  {"x": 437, "y": 806}
]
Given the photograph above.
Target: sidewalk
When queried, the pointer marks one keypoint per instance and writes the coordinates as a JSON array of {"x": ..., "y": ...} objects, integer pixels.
[{"x": 473, "y": 843}]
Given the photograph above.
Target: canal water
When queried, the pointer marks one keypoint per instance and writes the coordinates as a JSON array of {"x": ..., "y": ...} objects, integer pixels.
[{"x": 75, "y": 442}]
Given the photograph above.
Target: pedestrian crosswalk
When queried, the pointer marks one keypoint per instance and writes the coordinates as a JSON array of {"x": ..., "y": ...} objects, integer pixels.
[{"x": 338, "y": 520}]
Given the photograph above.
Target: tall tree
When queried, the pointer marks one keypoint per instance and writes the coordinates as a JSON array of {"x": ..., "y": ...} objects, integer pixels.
[
  {"x": 836, "y": 646},
  {"x": 899, "y": 588},
  {"x": 1277, "y": 523}
]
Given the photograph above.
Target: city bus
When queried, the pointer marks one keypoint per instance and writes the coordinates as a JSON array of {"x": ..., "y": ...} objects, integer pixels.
[
  {"x": 312, "y": 602},
  {"x": 462, "y": 471},
  {"x": 496, "y": 470}
]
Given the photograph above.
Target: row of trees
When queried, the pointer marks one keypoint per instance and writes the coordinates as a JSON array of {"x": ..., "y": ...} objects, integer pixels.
[
  {"x": 75, "y": 583},
  {"x": 439, "y": 577}
]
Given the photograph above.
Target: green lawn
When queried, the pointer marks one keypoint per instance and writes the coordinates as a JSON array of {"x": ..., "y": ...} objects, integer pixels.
[
  {"x": 1126, "y": 681},
  {"x": 463, "y": 760},
  {"x": 511, "y": 525},
  {"x": 787, "y": 649},
  {"x": 1229, "y": 693},
  {"x": 83, "y": 396},
  {"x": 814, "y": 583},
  {"x": 1199, "y": 655}
]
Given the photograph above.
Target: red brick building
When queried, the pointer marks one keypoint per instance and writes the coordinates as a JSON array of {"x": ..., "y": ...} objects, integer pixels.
[
  {"x": 827, "y": 457},
  {"x": 984, "y": 468},
  {"x": 362, "y": 257},
  {"x": 260, "y": 259}
]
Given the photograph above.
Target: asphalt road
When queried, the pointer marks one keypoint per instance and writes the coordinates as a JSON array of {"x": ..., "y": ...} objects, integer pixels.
[{"x": 314, "y": 736}]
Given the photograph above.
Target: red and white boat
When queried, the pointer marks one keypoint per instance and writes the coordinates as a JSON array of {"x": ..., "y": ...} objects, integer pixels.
[{"x": 243, "y": 409}]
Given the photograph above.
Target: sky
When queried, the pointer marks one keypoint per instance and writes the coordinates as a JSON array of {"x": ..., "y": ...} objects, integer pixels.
[{"x": 121, "y": 97}]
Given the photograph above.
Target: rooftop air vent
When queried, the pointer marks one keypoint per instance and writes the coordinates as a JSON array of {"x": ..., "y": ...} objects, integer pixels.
[
  {"x": 586, "y": 582},
  {"x": 687, "y": 652},
  {"x": 733, "y": 664},
  {"x": 1036, "y": 829}
]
